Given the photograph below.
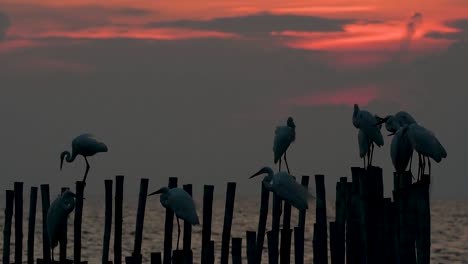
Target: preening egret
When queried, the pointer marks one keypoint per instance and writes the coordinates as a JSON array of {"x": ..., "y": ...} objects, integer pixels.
[
  {"x": 367, "y": 123},
  {"x": 401, "y": 150},
  {"x": 57, "y": 216},
  {"x": 364, "y": 145},
  {"x": 427, "y": 145},
  {"x": 181, "y": 203},
  {"x": 86, "y": 146},
  {"x": 284, "y": 136},
  {"x": 394, "y": 122},
  {"x": 285, "y": 186}
]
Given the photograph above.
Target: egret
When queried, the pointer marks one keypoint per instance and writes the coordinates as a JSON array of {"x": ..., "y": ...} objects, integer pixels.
[
  {"x": 401, "y": 150},
  {"x": 181, "y": 203},
  {"x": 427, "y": 145},
  {"x": 86, "y": 146},
  {"x": 367, "y": 123},
  {"x": 284, "y": 136},
  {"x": 363, "y": 142},
  {"x": 285, "y": 186},
  {"x": 394, "y": 122},
  {"x": 57, "y": 216}
]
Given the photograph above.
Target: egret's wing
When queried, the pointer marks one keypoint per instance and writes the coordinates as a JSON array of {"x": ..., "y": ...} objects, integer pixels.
[
  {"x": 87, "y": 143},
  {"x": 291, "y": 191},
  {"x": 183, "y": 206},
  {"x": 284, "y": 136},
  {"x": 404, "y": 118},
  {"x": 426, "y": 143}
]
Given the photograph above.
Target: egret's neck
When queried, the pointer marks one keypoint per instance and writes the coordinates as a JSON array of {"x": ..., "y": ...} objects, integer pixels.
[{"x": 68, "y": 157}]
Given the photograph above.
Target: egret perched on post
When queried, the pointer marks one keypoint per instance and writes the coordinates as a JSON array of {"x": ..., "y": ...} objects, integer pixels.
[
  {"x": 86, "y": 146},
  {"x": 285, "y": 186},
  {"x": 367, "y": 123},
  {"x": 57, "y": 216},
  {"x": 427, "y": 145},
  {"x": 284, "y": 136},
  {"x": 181, "y": 203},
  {"x": 364, "y": 144}
]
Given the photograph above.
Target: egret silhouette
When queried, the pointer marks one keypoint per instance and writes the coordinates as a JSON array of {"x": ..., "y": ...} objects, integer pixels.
[
  {"x": 367, "y": 123},
  {"x": 284, "y": 136},
  {"x": 401, "y": 150},
  {"x": 86, "y": 146},
  {"x": 364, "y": 145},
  {"x": 285, "y": 186},
  {"x": 425, "y": 143},
  {"x": 181, "y": 203},
  {"x": 394, "y": 122},
  {"x": 57, "y": 216}
]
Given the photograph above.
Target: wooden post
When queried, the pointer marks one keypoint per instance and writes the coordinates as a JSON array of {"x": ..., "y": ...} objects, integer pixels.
[
  {"x": 78, "y": 220},
  {"x": 168, "y": 225},
  {"x": 107, "y": 221},
  {"x": 187, "y": 243},
  {"x": 236, "y": 250},
  {"x": 333, "y": 244},
  {"x": 228, "y": 213},
  {"x": 302, "y": 213},
  {"x": 388, "y": 242},
  {"x": 178, "y": 257},
  {"x": 273, "y": 242},
  {"x": 18, "y": 222},
  {"x": 272, "y": 247},
  {"x": 156, "y": 258},
  {"x": 320, "y": 227},
  {"x": 423, "y": 222},
  {"x": 63, "y": 241},
  {"x": 299, "y": 245},
  {"x": 10, "y": 197},
  {"x": 251, "y": 244},
  {"x": 406, "y": 229},
  {"x": 45, "y": 207},
  {"x": 206, "y": 230},
  {"x": 32, "y": 224},
  {"x": 340, "y": 214},
  {"x": 210, "y": 252},
  {"x": 262, "y": 220},
  {"x": 119, "y": 192},
  {"x": 354, "y": 248},
  {"x": 140, "y": 220},
  {"x": 285, "y": 255}
]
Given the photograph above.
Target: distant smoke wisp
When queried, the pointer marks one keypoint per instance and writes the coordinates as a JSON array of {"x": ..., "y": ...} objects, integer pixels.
[
  {"x": 4, "y": 25},
  {"x": 411, "y": 27}
]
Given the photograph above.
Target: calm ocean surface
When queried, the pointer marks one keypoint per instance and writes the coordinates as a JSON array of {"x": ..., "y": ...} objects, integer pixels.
[{"x": 449, "y": 229}]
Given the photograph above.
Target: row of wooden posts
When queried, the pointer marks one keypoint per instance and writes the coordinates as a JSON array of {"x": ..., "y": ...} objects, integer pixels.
[{"x": 368, "y": 227}]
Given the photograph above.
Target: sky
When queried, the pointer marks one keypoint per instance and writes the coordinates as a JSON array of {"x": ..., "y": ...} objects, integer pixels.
[{"x": 195, "y": 90}]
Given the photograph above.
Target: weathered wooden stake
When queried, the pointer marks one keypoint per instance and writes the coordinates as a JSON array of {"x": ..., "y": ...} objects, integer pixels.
[
  {"x": 320, "y": 227},
  {"x": 275, "y": 232},
  {"x": 406, "y": 224},
  {"x": 228, "y": 214},
  {"x": 354, "y": 246},
  {"x": 140, "y": 220},
  {"x": 251, "y": 250},
  {"x": 18, "y": 222},
  {"x": 107, "y": 221},
  {"x": 423, "y": 222},
  {"x": 63, "y": 241},
  {"x": 119, "y": 192},
  {"x": 45, "y": 196},
  {"x": 262, "y": 220},
  {"x": 236, "y": 250},
  {"x": 168, "y": 225},
  {"x": 78, "y": 221},
  {"x": 206, "y": 230},
  {"x": 340, "y": 213},
  {"x": 10, "y": 197},
  {"x": 302, "y": 213},
  {"x": 32, "y": 224},
  {"x": 299, "y": 245},
  {"x": 156, "y": 258},
  {"x": 187, "y": 243},
  {"x": 285, "y": 254},
  {"x": 272, "y": 247}
]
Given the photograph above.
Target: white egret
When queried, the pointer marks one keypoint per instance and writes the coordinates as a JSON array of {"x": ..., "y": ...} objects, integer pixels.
[
  {"x": 285, "y": 186},
  {"x": 57, "y": 216},
  {"x": 427, "y": 145},
  {"x": 401, "y": 150},
  {"x": 367, "y": 123},
  {"x": 86, "y": 146},
  {"x": 181, "y": 203},
  {"x": 364, "y": 144},
  {"x": 284, "y": 136}
]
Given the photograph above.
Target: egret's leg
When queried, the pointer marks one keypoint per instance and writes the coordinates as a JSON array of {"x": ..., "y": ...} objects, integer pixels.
[
  {"x": 410, "y": 161},
  {"x": 52, "y": 256},
  {"x": 364, "y": 159},
  {"x": 429, "y": 165},
  {"x": 279, "y": 167},
  {"x": 424, "y": 166},
  {"x": 286, "y": 161},
  {"x": 178, "y": 234},
  {"x": 87, "y": 170},
  {"x": 372, "y": 153},
  {"x": 419, "y": 165}
]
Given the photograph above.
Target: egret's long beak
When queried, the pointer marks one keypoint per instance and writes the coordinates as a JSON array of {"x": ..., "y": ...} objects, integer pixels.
[
  {"x": 61, "y": 163},
  {"x": 156, "y": 192},
  {"x": 256, "y": 174}
]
